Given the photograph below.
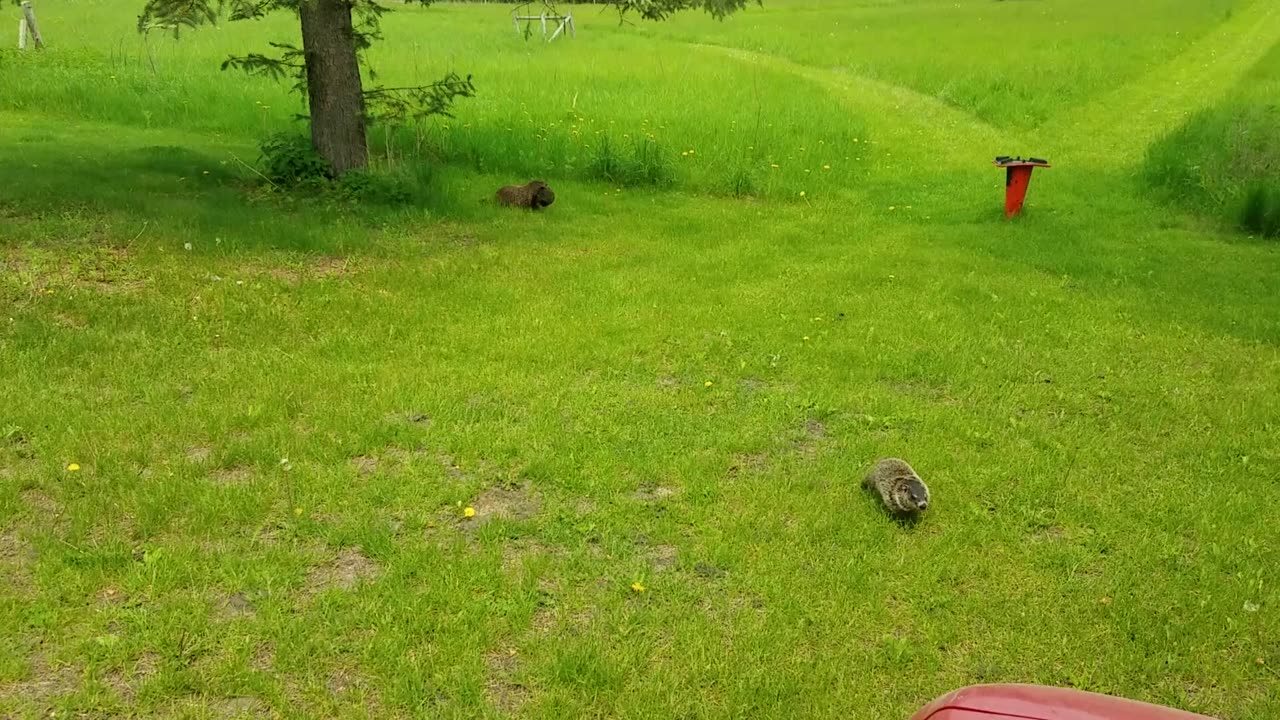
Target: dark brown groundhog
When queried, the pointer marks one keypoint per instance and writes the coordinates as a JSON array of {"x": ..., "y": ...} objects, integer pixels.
[
  {"x": 901, "y": 489},
  {"x": 534, "y": 195}
]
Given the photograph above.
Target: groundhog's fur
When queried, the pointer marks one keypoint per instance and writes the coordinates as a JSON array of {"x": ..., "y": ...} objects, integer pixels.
[
  {"x": 534, "y": 194},
  {"x": 902, "y": 490}
]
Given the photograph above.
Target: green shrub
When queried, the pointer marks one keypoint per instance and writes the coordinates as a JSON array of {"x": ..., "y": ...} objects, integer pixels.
[
  {"x": 364, "y": 186},
  {"x": 289, "y": 160},
  {"x": 1260, "y": 212}
]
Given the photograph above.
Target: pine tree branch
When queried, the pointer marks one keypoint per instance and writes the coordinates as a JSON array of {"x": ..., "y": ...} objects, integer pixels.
[{"x": 663, "y": 9}]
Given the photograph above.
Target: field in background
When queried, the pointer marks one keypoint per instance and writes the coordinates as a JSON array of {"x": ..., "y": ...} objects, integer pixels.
[
  {"x": 651, "y": 98},
  {"x": 239, "y": 432}
]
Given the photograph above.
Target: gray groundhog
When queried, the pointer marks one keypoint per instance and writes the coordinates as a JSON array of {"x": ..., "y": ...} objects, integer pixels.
[
  {"x": 902, "y": 490},
  {"x": 534, "y": 195}
]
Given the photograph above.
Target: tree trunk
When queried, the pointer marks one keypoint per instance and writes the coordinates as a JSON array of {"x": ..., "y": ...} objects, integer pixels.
[{"x": 335, "y": 96}]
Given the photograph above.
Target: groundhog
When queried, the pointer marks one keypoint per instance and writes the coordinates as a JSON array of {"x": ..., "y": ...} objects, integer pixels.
[
  {"x": 535, "y": 194},
  {"x": 902, "y": 490}
]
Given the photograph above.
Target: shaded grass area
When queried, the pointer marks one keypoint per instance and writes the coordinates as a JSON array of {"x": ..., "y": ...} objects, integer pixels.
[
  {"x": 1224, "y": 162},
  {"x": 277, "y": 435}
]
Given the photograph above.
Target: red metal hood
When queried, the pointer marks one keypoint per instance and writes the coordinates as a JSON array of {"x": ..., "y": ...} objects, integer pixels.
[{"x": 1039, "y": 702}]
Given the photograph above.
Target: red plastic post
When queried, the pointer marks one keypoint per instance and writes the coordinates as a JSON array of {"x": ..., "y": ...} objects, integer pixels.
[{"x": 1017, "y": 180}]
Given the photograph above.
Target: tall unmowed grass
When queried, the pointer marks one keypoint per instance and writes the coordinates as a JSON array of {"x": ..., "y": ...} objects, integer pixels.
[
  {"x": 610, "y": 105},
  {"x": 1224, "y": 161}
]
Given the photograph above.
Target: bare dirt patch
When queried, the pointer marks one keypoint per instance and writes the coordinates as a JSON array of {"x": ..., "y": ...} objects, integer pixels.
[
  {"x": 234, "y": 475},
  {"x": 12, "y": 548},
  {"x": 365, "y": 464},
  {"x": 238, "y": 707},
  {"x": 513, "y": 504},
  {"x": 16, "y": 558},
  {"x": 47, "y": 683},
  {"x": 409, "y": 416},
  {"x": 663, "y": 557},
  {"x": 67, "y": 320},
  {"x": 313, "y": 268},
  {"x": 653, "y": 493},
  {"x": 264, "y": 658},
  {"x": 198, "y": 454},
  {"x": 1049, "y": 533},
  {"x": 516, "y": 554},
  {"x": 451, "y": 467},
  {"x": 343, "y": 680},
  {"x": 43, "y": 505},
  {"x": 743, "y": 603},
  {"x": 350, "y": 685},
  {"x": 748, "y": 463},
  {"x": 344, "y": 572},
  {"x": 235, "y": 605},
  {"x": 813, "y": 435},
  {"x": 543, "y": 621},
  {"x": 815, "y": 430},
  {"x": 127, "y": 680},
  {"x": 503, "y": 692}
]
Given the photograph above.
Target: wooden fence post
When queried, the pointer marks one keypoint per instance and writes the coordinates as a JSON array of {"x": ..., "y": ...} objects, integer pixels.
[{"x": 29, "y": 26}]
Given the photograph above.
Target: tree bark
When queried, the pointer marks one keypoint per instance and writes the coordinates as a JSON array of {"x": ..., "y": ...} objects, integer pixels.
[{"x": 335, "y": 96}]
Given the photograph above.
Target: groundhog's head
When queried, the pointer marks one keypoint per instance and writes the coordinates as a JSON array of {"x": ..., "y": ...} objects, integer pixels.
[
  {"x": 542, "y": 195},
  {"x": 910, "y": 495}
]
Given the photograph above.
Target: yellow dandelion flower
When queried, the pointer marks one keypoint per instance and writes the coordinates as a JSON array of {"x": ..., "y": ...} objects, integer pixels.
[
  {"x": 73, "y": 467},
  {"x": 801, "y": 193},
  {"x": 637, "y": 587},
  {"x": 707, "y": 383},
  {"x": 826, "y": 167},
  {"x": 806, "y": 338},
  {"x": 297, "y": 511},
  {"x": 469, "y": 512}
]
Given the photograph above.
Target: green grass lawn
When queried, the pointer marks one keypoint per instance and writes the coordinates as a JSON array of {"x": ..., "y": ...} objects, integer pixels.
[{"x": 658, "y": 400}]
